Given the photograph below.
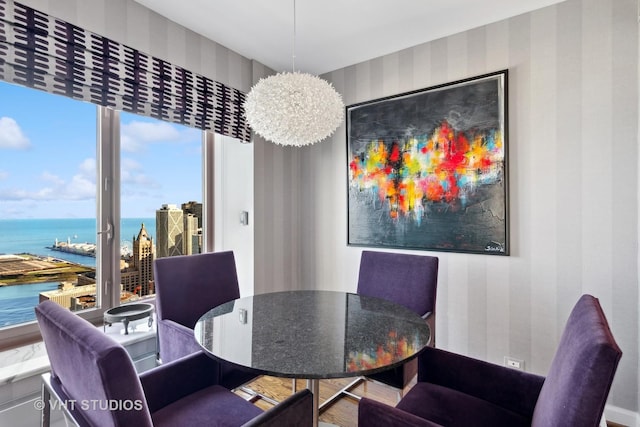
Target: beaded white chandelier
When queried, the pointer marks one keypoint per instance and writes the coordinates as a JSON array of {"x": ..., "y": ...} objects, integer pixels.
[{"x": 293, "y": 109}]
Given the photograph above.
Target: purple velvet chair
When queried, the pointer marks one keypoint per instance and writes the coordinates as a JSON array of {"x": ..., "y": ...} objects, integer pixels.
[
  {"x": 455, "y": 390},
  {"x": 186, "y": 288},
  {"x": 96, "y": 373},
  {"x": 409, "y": 280}
]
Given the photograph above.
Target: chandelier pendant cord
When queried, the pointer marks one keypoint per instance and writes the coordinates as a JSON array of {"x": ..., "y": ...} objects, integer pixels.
[
  {"x": 293, "y": 49},
  {"x": 293, "y": 109}
]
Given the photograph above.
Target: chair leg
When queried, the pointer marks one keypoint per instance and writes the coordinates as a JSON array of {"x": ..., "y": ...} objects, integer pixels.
[
  {"x": 46, "y": 406},
  {"x": 49, "y": 394},
  {"x": 254, "y": 396},
  {"x": 346, "y": 390}
]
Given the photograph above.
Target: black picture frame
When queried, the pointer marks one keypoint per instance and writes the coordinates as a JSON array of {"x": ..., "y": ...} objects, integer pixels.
[{"x": 428, "y": 169}]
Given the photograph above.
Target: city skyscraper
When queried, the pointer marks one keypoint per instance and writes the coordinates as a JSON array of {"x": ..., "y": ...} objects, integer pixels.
[
  {"x": 138, "y": 276},
  {"x": 169, "y": 231},
  {"x": 179, "y": 231},
  {"x": 193, "y": 208},
  {"x": 192, "y": 212},
  {"x": 191, "y": 235}
]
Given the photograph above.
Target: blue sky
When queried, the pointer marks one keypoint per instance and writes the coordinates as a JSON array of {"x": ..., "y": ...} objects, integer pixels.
[{"x": 48, "y": 152}]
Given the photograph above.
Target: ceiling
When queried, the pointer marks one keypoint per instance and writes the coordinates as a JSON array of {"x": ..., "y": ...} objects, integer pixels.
[{"x": 332, "y": 34}]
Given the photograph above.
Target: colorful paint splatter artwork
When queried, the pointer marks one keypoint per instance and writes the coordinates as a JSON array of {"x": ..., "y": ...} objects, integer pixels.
[{"x": 428, "y": 170}]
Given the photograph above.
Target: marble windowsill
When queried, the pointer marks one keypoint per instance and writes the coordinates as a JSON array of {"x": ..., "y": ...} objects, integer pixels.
[
  {"x": 23, "y": 362},
  {"x": 30, "y": 360}
]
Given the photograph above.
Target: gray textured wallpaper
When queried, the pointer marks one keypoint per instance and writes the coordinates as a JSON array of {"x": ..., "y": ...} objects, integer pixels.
[{"x": 573, "y": 176}]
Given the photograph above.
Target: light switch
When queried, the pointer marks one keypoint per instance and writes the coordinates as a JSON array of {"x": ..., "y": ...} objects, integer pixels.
[{"x": 244, "y": 218}]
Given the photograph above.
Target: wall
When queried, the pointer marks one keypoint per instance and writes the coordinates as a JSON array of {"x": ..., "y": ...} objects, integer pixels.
[
  {"x": 129, "y": 23},
  {"x": 280, "y": 218},
  {"x": 233, "y": 195},
  {"x": 573, "y": 172}
]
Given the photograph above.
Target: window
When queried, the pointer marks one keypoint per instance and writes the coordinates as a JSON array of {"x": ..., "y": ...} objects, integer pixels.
[
  {"x": 161, "y": 197},
  {"x": 47, "y": 202},
  {"x": 106, "y": 73},
  {"x": 69, "y": 171}
]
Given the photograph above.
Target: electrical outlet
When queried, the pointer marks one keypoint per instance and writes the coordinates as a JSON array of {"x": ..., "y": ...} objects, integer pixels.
[{"x": 514, "y": 363}]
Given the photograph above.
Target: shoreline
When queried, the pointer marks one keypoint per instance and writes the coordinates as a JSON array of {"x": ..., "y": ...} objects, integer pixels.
[{"x": 25, "y": 269}]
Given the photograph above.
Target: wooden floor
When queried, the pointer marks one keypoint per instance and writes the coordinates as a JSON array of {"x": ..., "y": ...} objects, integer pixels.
[{"x": 343, "y": 413}]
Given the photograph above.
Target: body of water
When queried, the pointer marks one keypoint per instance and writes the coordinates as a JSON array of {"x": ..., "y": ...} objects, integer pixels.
[
  {"x": 34, "y": 236},
  {"x": 17, "y": 302}
]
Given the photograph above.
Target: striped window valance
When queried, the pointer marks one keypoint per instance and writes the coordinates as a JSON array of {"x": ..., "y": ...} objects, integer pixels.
[{"x": 46, "y": 53}]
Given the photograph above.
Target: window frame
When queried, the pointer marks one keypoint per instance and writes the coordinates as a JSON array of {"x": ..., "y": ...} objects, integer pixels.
[{"x": 108, "y": 198}]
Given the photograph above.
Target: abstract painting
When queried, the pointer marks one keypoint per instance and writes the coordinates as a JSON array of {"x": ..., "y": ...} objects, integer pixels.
[{"x": 428, "y": 169}]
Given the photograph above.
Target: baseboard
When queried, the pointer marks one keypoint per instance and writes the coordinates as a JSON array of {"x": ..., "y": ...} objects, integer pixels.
[{"x": 622, "y": 416}]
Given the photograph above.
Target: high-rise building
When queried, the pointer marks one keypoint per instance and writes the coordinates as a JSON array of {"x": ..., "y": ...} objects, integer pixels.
[
  {"x": 169, "y": 231},
  {"x": 191, "y": 235},
  {"x": 138, "y": 276},
  {"x": 179, "y": 231},
  {"x": 193, "y": 208},
  {"x": 192, "y": 229}
]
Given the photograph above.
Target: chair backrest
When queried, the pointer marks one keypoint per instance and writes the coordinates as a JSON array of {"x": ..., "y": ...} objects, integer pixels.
[
  {"x": 576, "y": 388},
  {"x": 188, "y": 286},
  {"x": 410, "y": 280},
  {"x": 92, "y": 369}
]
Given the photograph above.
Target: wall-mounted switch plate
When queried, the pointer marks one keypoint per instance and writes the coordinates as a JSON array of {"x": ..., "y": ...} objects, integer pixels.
[{"x": 244, "y": 218}]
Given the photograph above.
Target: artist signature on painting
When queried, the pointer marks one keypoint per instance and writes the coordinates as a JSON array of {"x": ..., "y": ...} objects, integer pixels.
[{"x": 494, "y": 247}]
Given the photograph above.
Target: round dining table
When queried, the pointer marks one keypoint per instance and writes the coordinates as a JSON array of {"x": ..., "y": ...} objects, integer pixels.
[{"x": 312, "y": 335}]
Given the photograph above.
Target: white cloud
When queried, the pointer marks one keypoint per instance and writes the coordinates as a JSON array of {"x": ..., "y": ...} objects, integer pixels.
[
  {"x": 129, "y": 144},
  {"x": 150, "y": 132},
  {"x": 81, "y": 186},
  {"x": 51, "y": 178},
  {"x": 88, "y": 168},
  {"x": 138, "y": 179},
  {"x": 3, "y": 175},
  {"x": 46, "y": 193},
  {"x": 133, "y": 177},
  {"x": 135, "y": 135},
  {"x": 11, "y": 135},
  {"x": 130, "y": 164}
]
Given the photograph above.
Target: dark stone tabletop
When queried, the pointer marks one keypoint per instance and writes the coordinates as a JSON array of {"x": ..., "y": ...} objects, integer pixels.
[{"x": 312, "y": 334}]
